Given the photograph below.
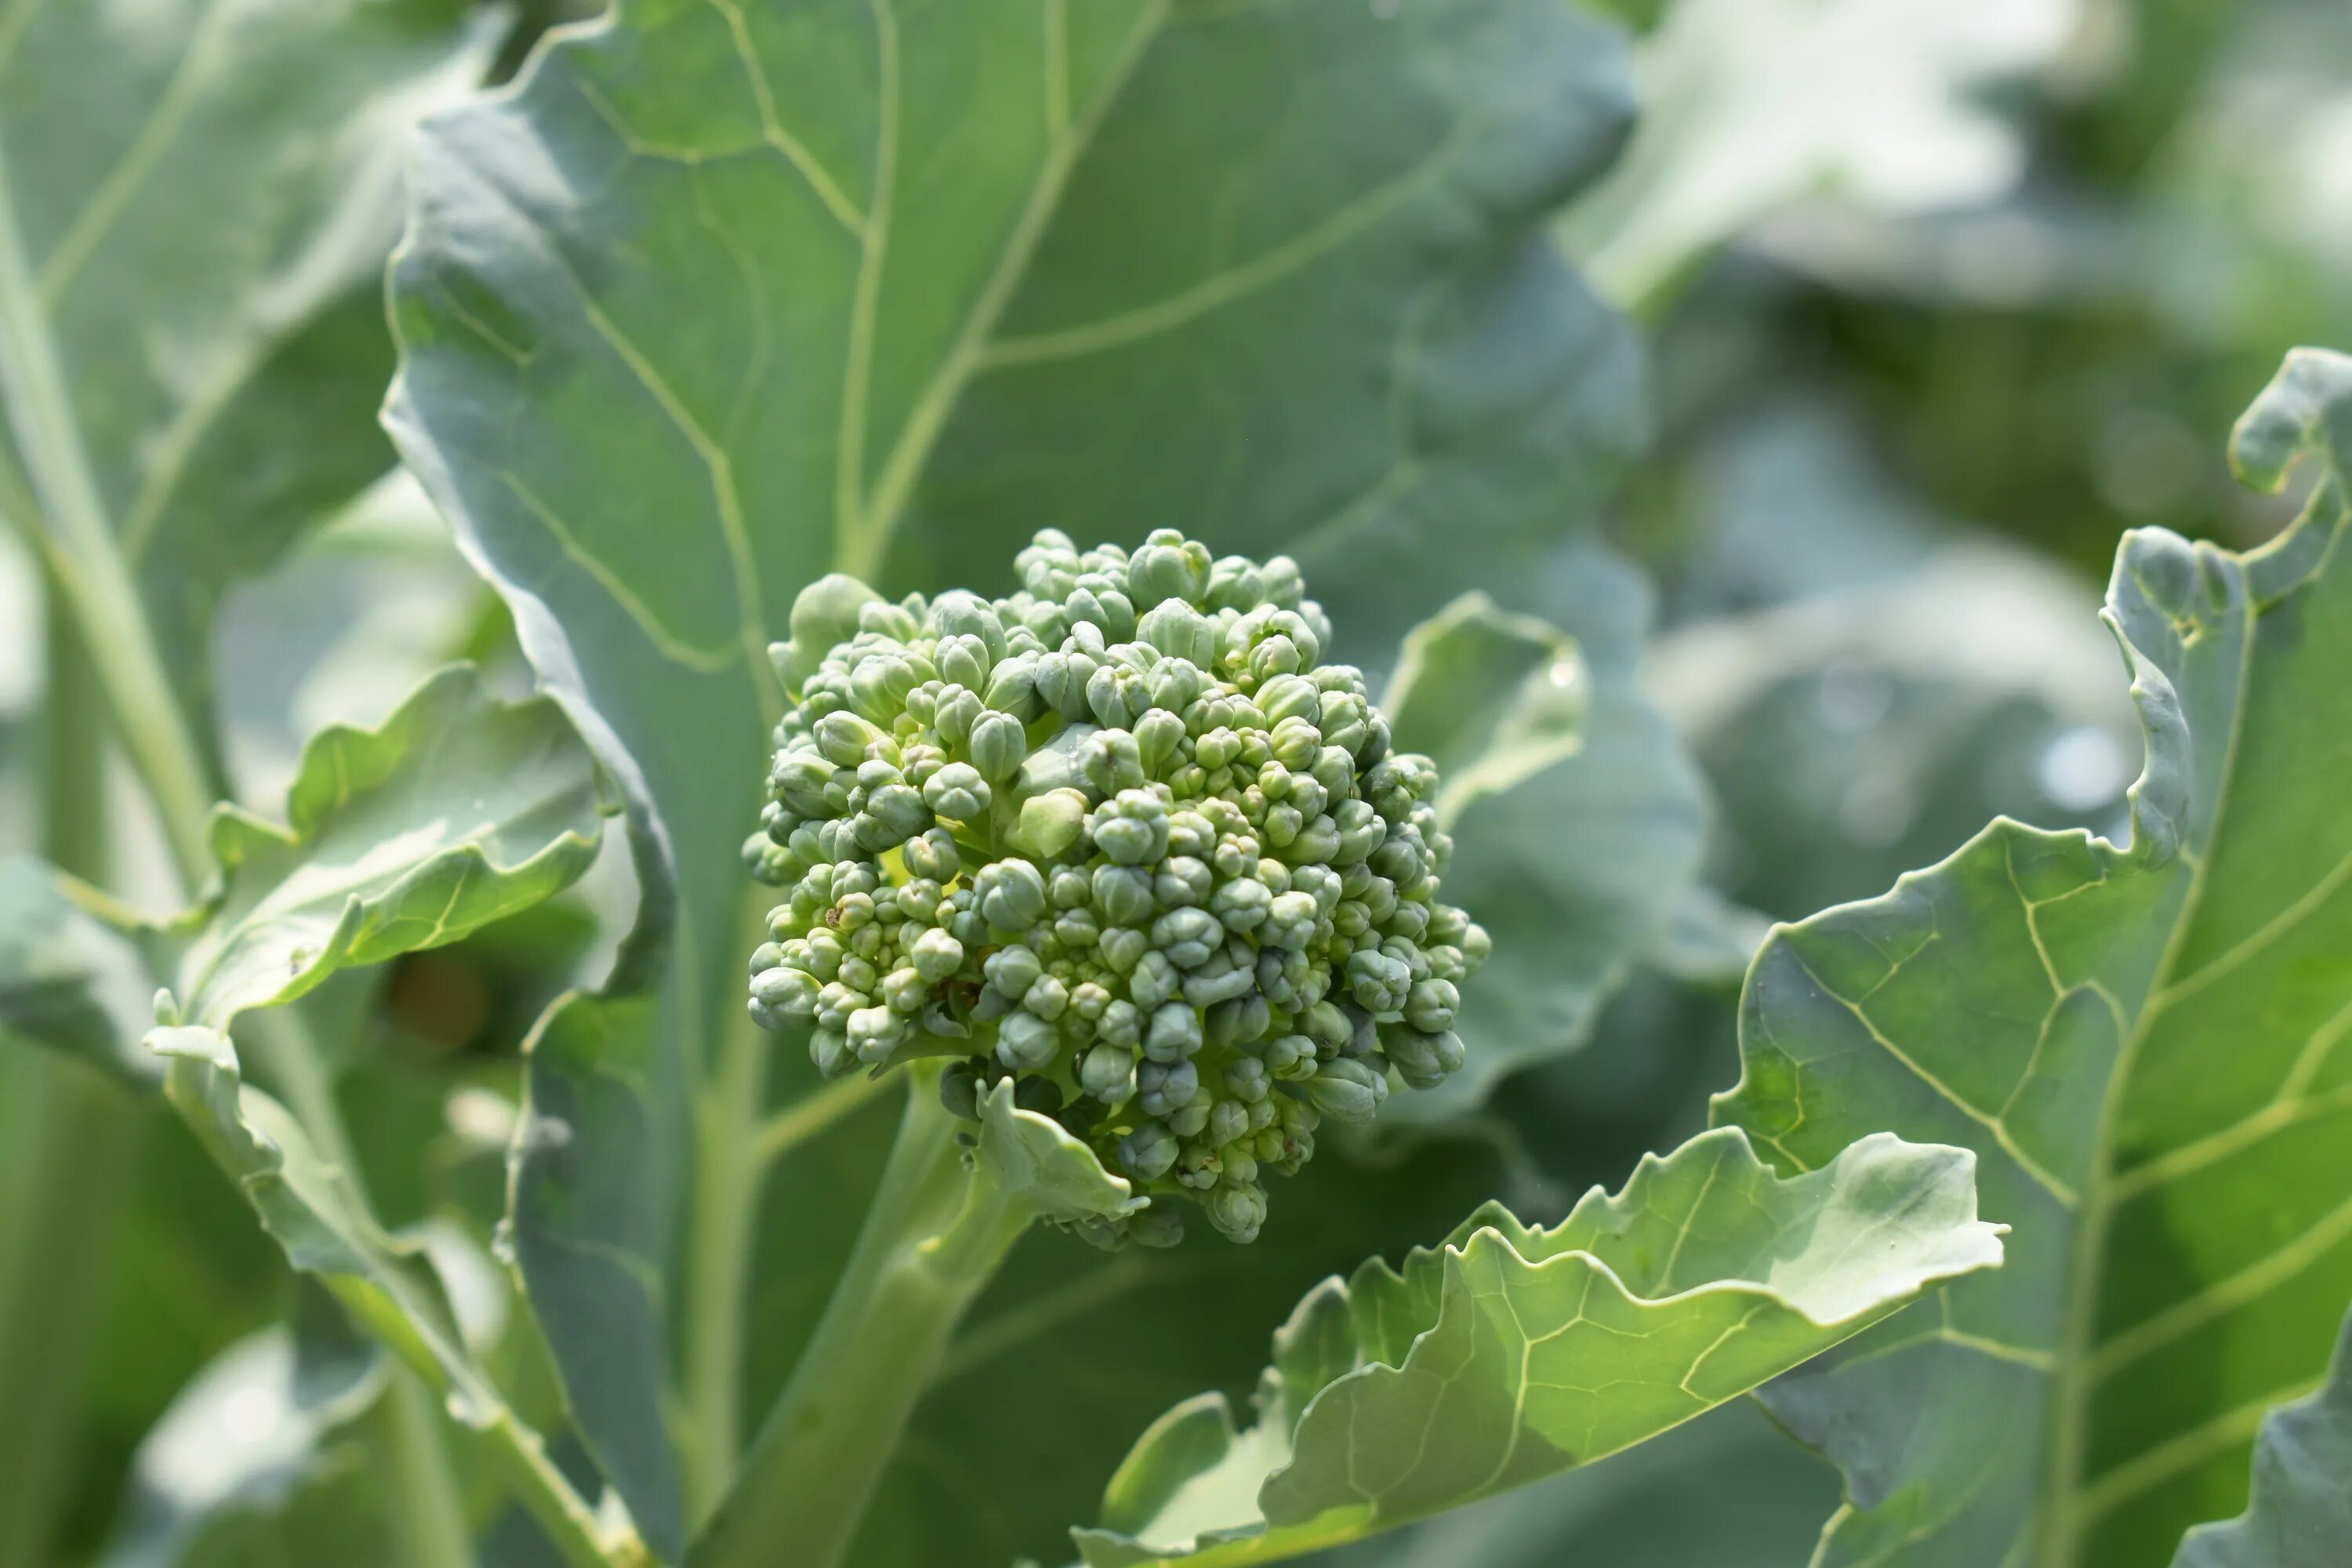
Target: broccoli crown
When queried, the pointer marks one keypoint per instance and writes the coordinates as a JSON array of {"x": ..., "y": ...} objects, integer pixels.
[{"x": 1123, "y": 837}]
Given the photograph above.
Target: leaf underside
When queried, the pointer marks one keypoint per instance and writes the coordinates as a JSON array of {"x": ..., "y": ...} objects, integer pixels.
[
  {"x": 2144, "y": 1046},
  {"x": 456, "y": 811}
]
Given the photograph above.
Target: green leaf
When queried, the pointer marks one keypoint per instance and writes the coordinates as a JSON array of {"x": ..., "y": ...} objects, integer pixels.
[
  {"x": 245, "y": 1434},
  {"x": 589, "y": 1236},
  {"x": 2142, "y": 1044},
  {"x": 340, "y": 629},
  {"x": 1764, "y": 1503},
  {"x": 1030, "y": 1158},
  {"x": 1576, "y": 818},
  {"x": 2301, "y": 1512},
  {"x": 1493, "y": 699},
  {"x": 1049, "y": 1366},
  {"x": 718, "y": 298},
  {"x": 456, "y": 811},
  {"x": 722, "y": 296},
  {"x": 72, "y": 977},
  {"x": 200, "y": 197},
  {"x": 311, "y": 1206},
  {"x": 1511, "y": 1353}
]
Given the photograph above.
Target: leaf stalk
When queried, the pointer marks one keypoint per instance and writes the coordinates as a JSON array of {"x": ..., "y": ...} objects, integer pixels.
[{"x": 936, "y": 1232}]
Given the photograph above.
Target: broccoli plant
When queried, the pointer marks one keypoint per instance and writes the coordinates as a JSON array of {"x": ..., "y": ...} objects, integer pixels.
[
  {"x": 1126, "y": 835},
  {"x": 985, "y": 907}
]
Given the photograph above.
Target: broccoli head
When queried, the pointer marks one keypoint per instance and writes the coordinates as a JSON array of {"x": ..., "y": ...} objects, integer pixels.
[{"x": 1122, "y": 837}]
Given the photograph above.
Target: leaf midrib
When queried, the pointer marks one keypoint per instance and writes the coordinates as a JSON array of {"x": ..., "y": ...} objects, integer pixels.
[{"x": 865, "y": 527}]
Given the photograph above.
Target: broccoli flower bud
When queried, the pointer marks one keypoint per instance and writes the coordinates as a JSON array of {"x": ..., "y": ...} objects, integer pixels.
[{"x": 1123, "y": 837}]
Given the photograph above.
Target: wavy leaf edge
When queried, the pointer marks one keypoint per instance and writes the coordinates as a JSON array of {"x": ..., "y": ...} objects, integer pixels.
[{"x": 1430, "y": 1278}]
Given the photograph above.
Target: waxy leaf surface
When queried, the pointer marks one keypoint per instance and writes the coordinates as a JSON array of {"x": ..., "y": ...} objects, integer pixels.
[
  {"x": 196, "y": 197},
  {"x": 1576, "y": 818},
  {"x": 2144, "y": 1042}
]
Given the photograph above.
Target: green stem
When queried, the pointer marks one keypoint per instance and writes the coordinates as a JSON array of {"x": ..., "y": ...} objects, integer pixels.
[
  {"x": 935, "y": 1236},
  {"x": 431, "y": 1526},
  {"x": 86, "y": 563},
  {"x": 69, "y": 1144},
  {"x": 728, "y": 1168},
  {"x": 810, "y": 1115},
  {"x": 563, "y": 1515}
]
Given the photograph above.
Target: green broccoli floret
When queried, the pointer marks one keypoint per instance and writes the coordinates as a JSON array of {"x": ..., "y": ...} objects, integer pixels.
[{"x": 1123, "y": 837}]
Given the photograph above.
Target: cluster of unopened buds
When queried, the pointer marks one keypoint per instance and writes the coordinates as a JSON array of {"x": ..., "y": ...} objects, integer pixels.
[{"x": 1124, "y": 839}]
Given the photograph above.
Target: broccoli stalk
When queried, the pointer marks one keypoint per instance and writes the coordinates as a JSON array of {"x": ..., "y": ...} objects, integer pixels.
[
  {"x": 938, "y": 1227},
  {"x": 1120, "y": 850}
]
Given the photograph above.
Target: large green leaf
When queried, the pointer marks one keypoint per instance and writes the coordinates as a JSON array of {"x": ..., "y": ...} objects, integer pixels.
[
  {"x": 456, "y": 811},
  {"x": 2142, "y": 1044},
  {"x": 71, "y": 978},
  {"x": 1576, "y": 818},
  {"x": 196, "y": 201},
  {"x": 720, "y": 298},
  {"x": 1511, "y": 1353},
  {"x": 2301, "y": 1511}
]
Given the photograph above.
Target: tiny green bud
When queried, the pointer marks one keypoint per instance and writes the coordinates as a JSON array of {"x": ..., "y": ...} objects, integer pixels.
[
  {"x": 1012, "y": 894},
  {"x": 1050, "y": 823},
  {"x": 1422, "y": 1060},
  {"x": 1148, "y": 1153},
  {"x": 1026, "y": 1042},
  {"x": 933, "y": 855},
  {"x": 998, "y": 745},
  {"x": 1430, "y": 1006},
  {"x": 936, "y": 955},
  {"x": 1108, "y": 1073},
  {"x": 1237, "y": 1211},
  {"x": 1187, "y": 936},
  {"x": 1179, "y": 631},
  {"x": 844, "y": 737},
  {"x": 1174, "y": 1033},
  {"x": 958, "y": 791},
  {"x": 1122, "y": 894},
  {"x": 1345, "y": 1090},
  {"x": 1121, "y": 1024},
  {"x": 1122, "y": 948},
  {"x": 1164, "y": 1088}
]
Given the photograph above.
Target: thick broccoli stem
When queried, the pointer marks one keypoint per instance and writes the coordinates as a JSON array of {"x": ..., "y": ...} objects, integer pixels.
[{"x": 933, "y": 1239}]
